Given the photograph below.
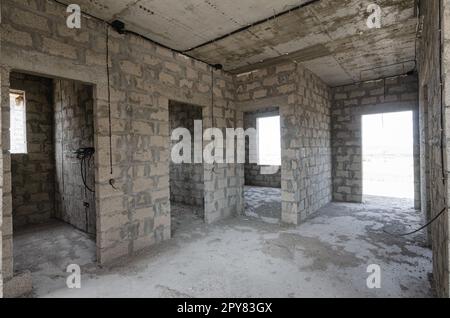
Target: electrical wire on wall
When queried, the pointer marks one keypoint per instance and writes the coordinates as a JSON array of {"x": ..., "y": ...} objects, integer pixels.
[
  {"x": 85, "y": 156},
  {"x": 442, "y": 135},
  {"x": 62, "y": 142},
  {"x": 419, "y": 229},
  {"x": 212, "y": 97},
  {"x": 108, "y": 78},
  {"x": 213, "y": 170}
]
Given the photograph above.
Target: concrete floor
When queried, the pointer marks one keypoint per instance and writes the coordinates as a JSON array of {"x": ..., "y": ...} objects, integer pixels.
[
  {"x": 46, "y": 251},
  {"x": 327, "y": 256},
  {"x": 263, "y": 203}
]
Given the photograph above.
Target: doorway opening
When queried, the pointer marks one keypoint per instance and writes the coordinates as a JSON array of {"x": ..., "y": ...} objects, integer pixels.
[
  {"x": 388, "y": 155},
  {"x": 262, "y": 192},
  {"x": 52, "y": 176},
  {"x": 186, "y": 178}
]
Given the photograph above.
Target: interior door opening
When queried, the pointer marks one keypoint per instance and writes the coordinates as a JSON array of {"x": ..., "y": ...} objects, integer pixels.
[
  {"x": 262, "y": 192},
  {"x": 388, "y": 155}
]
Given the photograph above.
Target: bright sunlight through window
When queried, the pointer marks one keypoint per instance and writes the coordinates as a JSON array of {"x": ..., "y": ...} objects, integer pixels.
[
  {"x": 18, "y": 129},
  {"x": 269, "y": 141},
  {"x": 388, "y": 161}
]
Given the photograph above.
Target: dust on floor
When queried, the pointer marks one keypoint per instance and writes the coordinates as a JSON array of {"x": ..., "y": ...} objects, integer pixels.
[{"x": 327, "y": 256}]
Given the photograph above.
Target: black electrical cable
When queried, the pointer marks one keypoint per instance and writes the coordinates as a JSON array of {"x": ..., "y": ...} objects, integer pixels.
[
  {"x": 84, "y": 175},
  {"x": 441, "y": 75},
  {"x": 442, "y": 138},
  {"x": 82, "y": 155},
  {"x": 419, "y": 229},
  {"x": 135, "y": 33},
  {"x": 108, "y": 75},
  {"x": 212, "y": 97},
  {"x": 62, "y": 136},
  {"x": 212, "y": 109}
]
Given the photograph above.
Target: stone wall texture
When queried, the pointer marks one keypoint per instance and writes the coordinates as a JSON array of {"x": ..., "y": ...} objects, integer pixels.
[
  {"x": 143, "y": 78},
  {"x": 74, "y": 129},
  {"x": 350, "y": 103},
  {"x": 33, "y": 186},
  {"x": 445, "y": 291},
  {"x": 253, "y": 175},
  {"x": 304, "y": 103},
  {"x": 7, "y": 222},
  {"x": 131, "y": 125},
  {"x": 186, "y": 179},
  {"x": 3, "y": 90},
  {"x": 434, "y": 128}
]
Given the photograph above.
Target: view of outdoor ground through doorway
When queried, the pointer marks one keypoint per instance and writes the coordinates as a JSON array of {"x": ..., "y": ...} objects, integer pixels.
[{"x": 388, "y": 161}]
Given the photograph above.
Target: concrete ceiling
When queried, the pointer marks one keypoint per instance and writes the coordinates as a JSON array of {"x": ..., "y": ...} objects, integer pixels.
[{"x": 330, "y": 37}]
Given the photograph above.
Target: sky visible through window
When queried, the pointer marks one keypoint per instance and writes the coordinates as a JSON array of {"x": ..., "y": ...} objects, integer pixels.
[
  {"x": 18, "y": 123},
  {"x": 388, "y": 161},
  {"x": 269, "y": 141}
]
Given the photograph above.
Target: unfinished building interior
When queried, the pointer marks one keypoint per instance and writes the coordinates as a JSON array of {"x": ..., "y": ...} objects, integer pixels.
[
  {"x": 186, "y": 178},
  {"x": 93, "y": 113}
]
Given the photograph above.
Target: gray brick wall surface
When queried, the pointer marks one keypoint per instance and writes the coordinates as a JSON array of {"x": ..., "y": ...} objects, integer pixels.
[
  {"x": 73, "y": 129},
  {"x": 350, "y": 103},
  {"x": 186, "y": 179},
  {"x": 433, "y": 120},
  {"x": 144, "y": 77},
  {"x": 33, "y": 186},
  {"x": 304, "y": 103}
]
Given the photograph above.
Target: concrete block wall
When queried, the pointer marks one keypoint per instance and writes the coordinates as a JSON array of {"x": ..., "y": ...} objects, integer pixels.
[
  {"x": 3, "y": 91},
  {"x": 304, "y": 102},
  {"x": 33, "y": 186},
  {"x": 144, "y": 77},
  {"x": 253, "y": 176},
  {"x": 445, "y": 222},
  {"x": 350, "y": 103},
  {"x": 433, "y": 64},
  {"x": 186, "y": 179},
  {"x": 7, "y": 223},
  {"x": 73, "y": 129},
  {"x": 224, "y": 183}
]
